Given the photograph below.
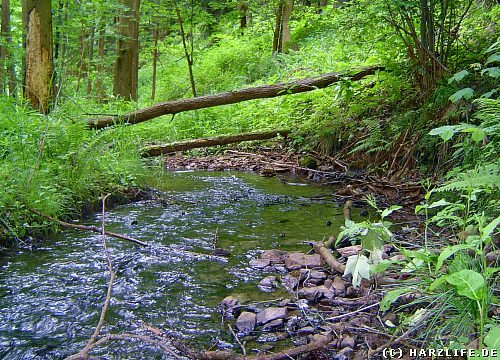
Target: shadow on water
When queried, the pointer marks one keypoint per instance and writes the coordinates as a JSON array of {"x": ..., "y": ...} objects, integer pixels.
[{"x": 50, "y": 298}]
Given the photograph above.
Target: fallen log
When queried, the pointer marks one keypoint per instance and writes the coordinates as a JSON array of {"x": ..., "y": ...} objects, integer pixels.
[
  {"x": 231, "y": 97},
  {"x": 156, "y": 150}
]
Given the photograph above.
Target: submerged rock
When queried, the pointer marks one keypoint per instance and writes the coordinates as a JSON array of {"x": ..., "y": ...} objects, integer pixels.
[
  {"x": 246, "y": 322},
  {"x": 221, "y": 252},
  {"x": 270, "y": 314}
]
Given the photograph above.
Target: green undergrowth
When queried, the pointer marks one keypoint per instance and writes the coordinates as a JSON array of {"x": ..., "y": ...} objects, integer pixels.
[{"x": 55, "y": 165}]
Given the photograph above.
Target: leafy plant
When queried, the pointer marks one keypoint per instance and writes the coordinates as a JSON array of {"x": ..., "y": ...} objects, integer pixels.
[{"x": 373, "y": 236}]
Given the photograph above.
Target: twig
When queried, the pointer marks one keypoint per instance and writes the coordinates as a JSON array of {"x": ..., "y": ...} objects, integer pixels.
[
  {"x": 91, "y": 343},
  {"x": 353, "y": 312},
  {"x": 88, "y": 228},
  {"x": 237, "y": 340}
]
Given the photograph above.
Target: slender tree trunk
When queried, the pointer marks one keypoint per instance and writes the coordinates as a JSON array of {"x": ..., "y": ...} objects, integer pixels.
[
  {"x": 189, "y": 57},
  {"x": 3, "y": 47},
  {"x": 278, "y": 28},
  {"x": 60, "y": 43},
  {"x": 91, "y": 60},
  {"x": 8, "y": 65},
  {"x": 156, "y": 32},
  {"x": 38, "y": 74},
  {"x": 99, "y": 87},
  {"x": 81, "y": 67},
  {"x": 127, "y": 61}
]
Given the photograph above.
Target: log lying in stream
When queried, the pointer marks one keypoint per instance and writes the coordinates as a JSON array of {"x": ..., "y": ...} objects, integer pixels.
[
  {"x": 231, "y": 97},
  {"x": 156, "y": 150}
]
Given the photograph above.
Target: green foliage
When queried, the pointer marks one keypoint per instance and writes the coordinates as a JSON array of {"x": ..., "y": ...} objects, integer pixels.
[
  {"x": 60, "y": 167},
  {"x": 373, "y": 236}
]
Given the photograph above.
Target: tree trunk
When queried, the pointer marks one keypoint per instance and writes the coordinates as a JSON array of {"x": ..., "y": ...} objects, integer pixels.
[
  {"x": 81, "y": 67},
  {"x": 155, "y": 59},
  {"x": 127, "y": 47},
  {"x": 5, "y": 34},
  {"x": 189, "y": 57},
  {"x": 91, "y": 60},
  {"x": 99, "y": 87},
  {"x": 38, "y": 81},
  {"x": 157, "y": 150},
  {"x": 285, "y": 32},
  {"x": 232, "y": 97},
  {"x": 278, "y": 28}
]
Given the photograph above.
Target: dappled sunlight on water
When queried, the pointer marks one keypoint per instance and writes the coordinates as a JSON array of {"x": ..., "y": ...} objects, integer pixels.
[{"x": 50, "y": 298}]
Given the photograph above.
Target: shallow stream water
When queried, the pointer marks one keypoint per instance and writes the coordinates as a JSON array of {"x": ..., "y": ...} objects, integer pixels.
[{"x": 50, "y": 297}]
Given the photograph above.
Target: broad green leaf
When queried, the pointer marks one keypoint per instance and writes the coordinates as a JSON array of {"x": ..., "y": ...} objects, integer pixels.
[
  {"x": 389, "y": 211},
  {"x": 381, "y": 266},
  {"x": 492, "y": 338},
  {"x": 446, "y": 132},
  {"x": 437, "y": 283},
  {"x": 358, "y": 266},
  {"x": 468, "y": 283},
  {"x": 447, "y": 252},
  {"x": 488, "y": 229},
  {"x": 390, "y": 297},
  {"x": 458, "y": 76},
  {"x": 465, "y": 93},
  {"x": 413, "y": 265},
  {"x": 494, "y": 72},
  {"x": 478, "y": 135},
  {"x": 489, "y": 94},
  {"x": 489, "y": 271},
  {"x": 493, "y": 58},
  {"x": 372, "y": 241},
  {"x": 441, "y": 202}
]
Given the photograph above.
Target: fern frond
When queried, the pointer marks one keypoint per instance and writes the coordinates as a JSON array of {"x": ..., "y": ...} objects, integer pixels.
[{"x": 485, "y": 177}]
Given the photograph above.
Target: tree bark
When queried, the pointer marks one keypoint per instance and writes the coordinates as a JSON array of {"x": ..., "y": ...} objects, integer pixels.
[
  {"x": 157, "y": 150},
  {"x": 232, "y": 97},
  {"x": 155, "y": 59},
  {"x": 285, "y": 32},
  {"x": 189, "y": 57},
  {"x": 91, "y": 60},
  {"x": 4, "y": 49},
  {"x": 38, "y": 81},
  {"x": 127, "y": 47},
  {"x": 278, "y": 28},
  {"x": 81, "y": 67},
  {"x": 99, "y": 87}
]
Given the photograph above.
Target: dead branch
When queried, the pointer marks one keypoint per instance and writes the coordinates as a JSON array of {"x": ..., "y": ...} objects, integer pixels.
[
  {"x": 88, "y": 228},
  {"x": 156, "y": 150},
  {"x": 231, "y": 97},
  {"x": 327, "y": 256}
]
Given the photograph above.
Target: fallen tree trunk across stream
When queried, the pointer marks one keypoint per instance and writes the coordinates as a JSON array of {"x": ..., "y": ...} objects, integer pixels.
[
  {"x": 231, "y": 97},
  {"x": 157, "y": 150}
]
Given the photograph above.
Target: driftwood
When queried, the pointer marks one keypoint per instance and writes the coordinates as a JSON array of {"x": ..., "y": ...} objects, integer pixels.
[
  {"x": 89, "y": 228},
  {"x": 231, "y": 97},
  {"x": 156, "y": 150}
]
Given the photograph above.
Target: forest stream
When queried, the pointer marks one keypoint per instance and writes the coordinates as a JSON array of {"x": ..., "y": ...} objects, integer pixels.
[{"x": 51, "y": 296}]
